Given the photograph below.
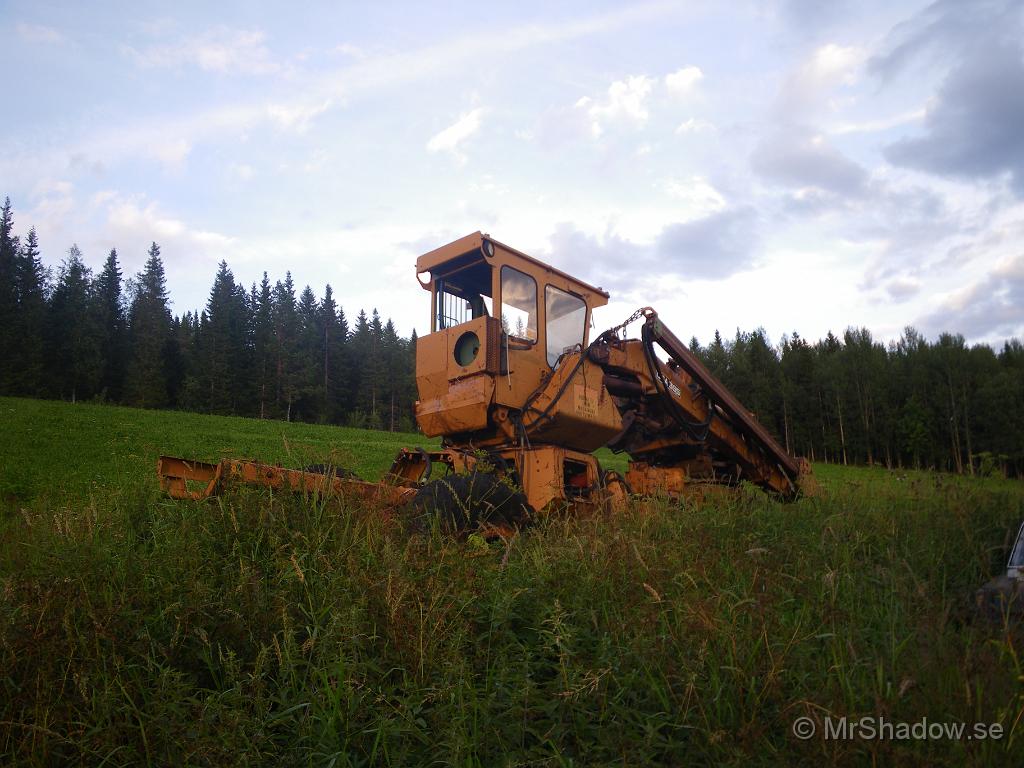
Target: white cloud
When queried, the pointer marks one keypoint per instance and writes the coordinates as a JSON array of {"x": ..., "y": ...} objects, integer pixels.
[
  {"x": 49, "y": 187},
  {"x": 102, "y": 197},
  {"x": 132, "y": 225},
  {"x": 624, "y": 102},
  {"x": 827, "y": 68},
  {"x": 698, "y": 197},
  {"x": 695, "y": 125},
  {"x": 220, "y": 50},
  {"x": 631, "y": 187},
  {"x": 878, "y": 124},
  {"x": 168, "y": 140},
  {"x": 833, "y": 64},
  {"x": 296, "y": 116},
  {"x": 902, "y": 288},
  {"x": 128, "y": 220},
  {"x": 371, "y": 74},
  {"x": 990, "y": 308},
  {"x": 56, "y": 202},
  {"x": 353, "y": 51},
  {"x": 37, "y": 33},
  {"x": 488, "y": 186},
  {"x": 335, "y": 255},
  {"x": 455, "y": 134},
  {"x": 243, "y": 172},
  {"x": 172, "y": 153},
  {"x": 801, "y": 160},
  {"x": 126, "y": 217},
  {"x": 684, "y": 81}
]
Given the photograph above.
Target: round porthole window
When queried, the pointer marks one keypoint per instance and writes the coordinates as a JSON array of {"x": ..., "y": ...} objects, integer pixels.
[{"x": 466, "y": 348}]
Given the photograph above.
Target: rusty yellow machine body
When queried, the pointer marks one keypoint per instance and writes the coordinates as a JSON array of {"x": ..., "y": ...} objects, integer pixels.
[{"x": 511, "y": 380}]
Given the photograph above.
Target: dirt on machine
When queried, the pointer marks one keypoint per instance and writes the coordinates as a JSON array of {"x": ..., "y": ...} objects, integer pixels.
[{"x": 521, "y": 396}]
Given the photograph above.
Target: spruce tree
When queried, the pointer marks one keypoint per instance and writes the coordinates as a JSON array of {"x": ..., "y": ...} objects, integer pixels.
[
  {"x": 764, "y": 385},
  {"x": 285, "y": 322},
  {"x": 224, "y": 344},
  {"x": 109, "y": 310},
  {"x": 175, "y": 356},
  {"x": 29, "y": 353},
  {"x": 716, "y": 356},
  {"x": 72, "y": 336},
  {"x": 392, "y": 353},
  {"x": 150, "y": 337},
  {"x": 8, "y": 295},
  {"x": 343, "y": 369},
  {"x": 360, "y": 350},
  {"x": 800, "y": 400},
  {"x": 309, "y": 358},
  {"x": 835, "y": 413},
  {"x": 373, "y": 370},
  {"x": 407, "y": 421},
  {"x": 186, "y": 332},
  {"x": 261, "y": 309},
  {"x": 331, "y": 348}
]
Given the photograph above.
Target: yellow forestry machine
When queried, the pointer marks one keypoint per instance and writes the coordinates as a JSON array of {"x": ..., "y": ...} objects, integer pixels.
[{"x": 521, "y": 397}]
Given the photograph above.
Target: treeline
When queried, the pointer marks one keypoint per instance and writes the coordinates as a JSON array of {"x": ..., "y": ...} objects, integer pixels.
[
  {"x": 261, "y": 352},
  {"x": 266, "y": 353},
  {"x": 942, "y": 405}
]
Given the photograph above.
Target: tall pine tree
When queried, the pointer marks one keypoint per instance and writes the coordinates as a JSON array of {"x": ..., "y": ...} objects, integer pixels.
[
  {"x": 109, "y": 311},
  {"x": 261, "y": 312},
  {"x": 149, "y": 330},
  {"x": 225, "y": 345},
  {"x": 8, "y": 294},
  {"x": 286, "y": 331},
  {"x": 309, "y": 367},
  {"x": 30, "y": 325},
  {"x": 331, "y": 348},
  {"x": 73, "y": 341},
  {"x": 392, "y": 353}
]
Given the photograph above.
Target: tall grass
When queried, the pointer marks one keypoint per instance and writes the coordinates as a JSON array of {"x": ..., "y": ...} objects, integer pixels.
[{"x": 263, "y": 629}]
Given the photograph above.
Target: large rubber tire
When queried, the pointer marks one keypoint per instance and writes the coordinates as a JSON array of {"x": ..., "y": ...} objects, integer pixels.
[{"x": 463, "y": 503}]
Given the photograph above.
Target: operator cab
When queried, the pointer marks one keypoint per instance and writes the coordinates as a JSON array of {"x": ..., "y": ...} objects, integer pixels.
[
  {"x": 536, "y": 304},
  {"x": 500, "y": 321}
]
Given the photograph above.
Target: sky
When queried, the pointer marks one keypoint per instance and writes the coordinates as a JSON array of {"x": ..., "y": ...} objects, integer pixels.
[{"x": 793, "y": 165}]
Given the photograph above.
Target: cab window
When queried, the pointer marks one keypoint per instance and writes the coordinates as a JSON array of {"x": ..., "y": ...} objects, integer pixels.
[
  {"x": 457, "y": 305},
  {"x": 518, "y": 305},
  {"x": 462, "y": 291},
  {"x": 566, "y": 318}
]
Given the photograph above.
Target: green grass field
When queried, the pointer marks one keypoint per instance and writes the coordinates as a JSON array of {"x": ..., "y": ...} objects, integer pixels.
[{"x": 280, "y": 630}]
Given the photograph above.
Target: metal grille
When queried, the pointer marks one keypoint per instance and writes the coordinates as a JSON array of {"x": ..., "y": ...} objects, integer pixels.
[
  {"x": 493, "y": 349},
  {"x": 452, "y": 310}
]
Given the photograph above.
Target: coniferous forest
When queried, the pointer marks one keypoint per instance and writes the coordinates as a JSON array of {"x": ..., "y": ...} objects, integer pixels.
[{"x": 268, "y": 351}]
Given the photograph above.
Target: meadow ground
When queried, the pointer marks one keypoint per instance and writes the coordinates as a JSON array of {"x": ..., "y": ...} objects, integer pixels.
[{"x": 280, "y": 630}]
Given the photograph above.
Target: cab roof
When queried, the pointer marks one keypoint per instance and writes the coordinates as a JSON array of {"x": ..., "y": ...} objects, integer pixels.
[{"x": 479, "y": 241}]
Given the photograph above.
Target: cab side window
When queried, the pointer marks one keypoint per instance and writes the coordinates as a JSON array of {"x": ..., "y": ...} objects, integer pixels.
[
  {"x": 518, "y": 305},
  {"x": 566, "y": 321}
]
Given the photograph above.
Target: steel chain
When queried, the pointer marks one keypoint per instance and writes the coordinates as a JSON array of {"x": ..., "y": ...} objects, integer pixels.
[{"x": 622, "y": 326}]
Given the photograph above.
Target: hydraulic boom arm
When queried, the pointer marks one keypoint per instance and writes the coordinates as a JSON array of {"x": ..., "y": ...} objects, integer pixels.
[{"x": 680, "y": 422}]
